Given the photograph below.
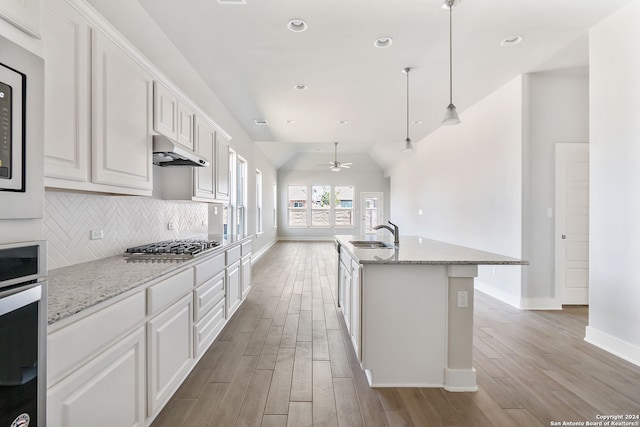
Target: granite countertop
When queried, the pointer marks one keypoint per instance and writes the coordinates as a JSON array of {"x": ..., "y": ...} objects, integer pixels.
[
  {"x": 420, "y": 250},
  {"x": 77, "y": 287}
]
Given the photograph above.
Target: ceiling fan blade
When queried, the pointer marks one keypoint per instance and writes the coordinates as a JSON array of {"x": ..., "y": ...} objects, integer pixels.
[{"x": 346, "y": 164}]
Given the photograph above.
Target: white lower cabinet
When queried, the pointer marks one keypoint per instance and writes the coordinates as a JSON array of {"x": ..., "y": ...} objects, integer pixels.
[
  {"x": 356, "y": 313},
  {"x": 108, "y": 391},
  {"x": 246, "y": 275},
  {"x": 170, "y": 347},
  {"x": 120, "y": 365},
  {"x": 233, "y": 294}
]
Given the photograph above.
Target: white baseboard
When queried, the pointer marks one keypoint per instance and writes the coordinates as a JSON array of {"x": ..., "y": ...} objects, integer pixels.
[
  {"x": 307, "y": 238},
  {"x": 540, "y": 304},
  {"x": 255, "y": 256},
  {"x": 614, "y": 345},
  {"x": 512, "y": 300},
  {"x": 459, "y": 380}
]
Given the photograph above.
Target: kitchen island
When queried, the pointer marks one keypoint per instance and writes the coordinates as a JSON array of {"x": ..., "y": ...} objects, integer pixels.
[{"x": 409, "y": 309}]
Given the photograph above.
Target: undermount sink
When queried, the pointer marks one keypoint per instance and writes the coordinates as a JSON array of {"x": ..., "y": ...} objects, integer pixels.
[{"x": 371, "y": 244}]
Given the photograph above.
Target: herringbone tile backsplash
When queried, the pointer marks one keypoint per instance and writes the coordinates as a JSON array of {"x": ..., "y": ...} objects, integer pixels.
[{"x": 126, "y": 220}]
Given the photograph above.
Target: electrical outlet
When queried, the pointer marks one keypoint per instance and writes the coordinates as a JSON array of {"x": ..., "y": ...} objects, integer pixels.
[
  {"x": 463, "y": 299},
  {"x": 204, "y": 222},
  {"x": 97, "y": 234},
  {"x": 170, "y": 226}
]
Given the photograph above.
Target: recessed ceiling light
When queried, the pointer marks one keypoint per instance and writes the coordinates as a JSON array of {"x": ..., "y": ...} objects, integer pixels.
[
  {"x": 297, "y": 25},
  {"x": 511, "y": 41},
  {"x": 290, "y": 121},
  {"x": 261, "y": 122},
  {"x": 343, "y": 122},
  {"x": 383, "y": 42},
  {"x": 301, "y": 86}
]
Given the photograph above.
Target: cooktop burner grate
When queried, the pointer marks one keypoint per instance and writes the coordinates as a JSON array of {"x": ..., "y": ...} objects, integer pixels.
[{"x": 168, "y": 248}]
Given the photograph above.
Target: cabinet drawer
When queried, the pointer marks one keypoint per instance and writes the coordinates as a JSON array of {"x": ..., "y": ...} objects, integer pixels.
[
  {"x": 246, "y": 248},
  {"x": 209, "y": 295},
  {"x": 70, "y": 347},
  {"x": 208, "y": 329},
  {"x": 234, "y": 254},
  {"x": 164, "y": 293},
  {"x": 209, "y": 268}
]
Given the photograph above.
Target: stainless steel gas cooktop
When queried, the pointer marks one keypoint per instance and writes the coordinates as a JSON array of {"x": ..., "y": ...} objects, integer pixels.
[{"x": 170, "y": 250}]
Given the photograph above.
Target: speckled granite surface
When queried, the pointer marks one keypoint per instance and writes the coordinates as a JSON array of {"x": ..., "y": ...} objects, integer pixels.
[
  {"x": 77, "y": 287},
  {"x": 419, "y": 250}
]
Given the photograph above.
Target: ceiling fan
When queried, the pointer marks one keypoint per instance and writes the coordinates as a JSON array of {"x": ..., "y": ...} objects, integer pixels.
[{"x": 336, "y": 166}]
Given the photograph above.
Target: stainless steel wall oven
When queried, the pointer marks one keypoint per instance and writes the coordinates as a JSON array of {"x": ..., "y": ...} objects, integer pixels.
[{"x": 23, "y": 334}]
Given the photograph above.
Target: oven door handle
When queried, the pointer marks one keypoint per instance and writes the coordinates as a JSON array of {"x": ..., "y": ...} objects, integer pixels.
[{"x": 20, "y": 299}]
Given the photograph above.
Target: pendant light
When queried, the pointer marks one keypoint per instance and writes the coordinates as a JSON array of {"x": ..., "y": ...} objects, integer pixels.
[
  {"x": 408, "y": 145},
  {"x": 451, "y": 115}
]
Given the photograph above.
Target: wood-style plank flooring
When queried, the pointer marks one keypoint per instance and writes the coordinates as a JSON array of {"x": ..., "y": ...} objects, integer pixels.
[{"x": 284, "y": 360}]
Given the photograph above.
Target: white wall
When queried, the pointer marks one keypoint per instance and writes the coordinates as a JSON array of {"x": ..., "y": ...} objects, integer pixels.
[
  {"x": 302, "y": 169},
  {"x": 467, "y": 180},
  {"x": 614, "y": 314},
  {"x": 557, "y": 110}
]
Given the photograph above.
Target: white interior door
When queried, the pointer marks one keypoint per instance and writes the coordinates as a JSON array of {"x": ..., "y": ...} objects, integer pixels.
[
  {"x": 572, "y": 223},
  {"x": 372, "y": 211}
]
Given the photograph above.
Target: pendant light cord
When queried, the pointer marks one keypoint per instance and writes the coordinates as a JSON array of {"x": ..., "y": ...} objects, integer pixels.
[
  {"x": 406, "y": 70},
  {"x": 450, "y": 52}
]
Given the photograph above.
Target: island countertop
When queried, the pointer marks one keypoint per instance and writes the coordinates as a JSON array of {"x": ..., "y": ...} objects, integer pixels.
[{"x": 422, "y": 251}]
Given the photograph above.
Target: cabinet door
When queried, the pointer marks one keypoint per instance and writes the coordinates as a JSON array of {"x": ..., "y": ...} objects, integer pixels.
[
  {"x": 165, "y": 111},
  {"x": 222, "y": 167},
  {"x": 24, "y": 14},
  {"x": 346, "y": 303},
  {"x": 186, "y": 119},
  {"x": 205, "y": 146},
  {"x": 233, "y": 294},
  {"x": 355, "y": 309},
  {"x": 170, "y": 347},
  {"x": 246, "y": 276},
  {"x": 67, "y": 112},
  {"x": 122, "y": 98},
  {"x": 106, "y": 392}
]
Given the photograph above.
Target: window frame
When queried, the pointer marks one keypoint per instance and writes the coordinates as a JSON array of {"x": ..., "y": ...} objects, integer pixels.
[{"x": 300, "y": 209}]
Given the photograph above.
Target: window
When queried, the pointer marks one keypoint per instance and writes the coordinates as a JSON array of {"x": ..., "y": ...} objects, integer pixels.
[
  {"x": 343, "y": 212},
  {"x": 241, "y": 196},
  {"x": 297, "y": 206},
  {"x": 275, "y": 205},
  {"x": 258, "y": 201},
  {"x": 320, "y": 206}
]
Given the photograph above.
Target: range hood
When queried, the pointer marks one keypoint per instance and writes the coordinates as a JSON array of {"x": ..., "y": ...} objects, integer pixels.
[{"x": 167, "y": 152}]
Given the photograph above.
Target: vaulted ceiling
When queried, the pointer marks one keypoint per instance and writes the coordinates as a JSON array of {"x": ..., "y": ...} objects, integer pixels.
[{"x": 245, "y": 52}]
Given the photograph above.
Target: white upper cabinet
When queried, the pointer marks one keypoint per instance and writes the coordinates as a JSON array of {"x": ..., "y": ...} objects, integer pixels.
[
  {"x": 222, "y": 167},
  {"x": 205, "y": 146},
  {"x": 186, "y": 121},
  {"x": 165, "y": 111},
  {"x": 172, "y": 117},
  {"x": 24, "y": 14},
  {"x": 122, "y": 106},
  {"x": 67, "y": 119},
  {"x": 98, "y": 107}
]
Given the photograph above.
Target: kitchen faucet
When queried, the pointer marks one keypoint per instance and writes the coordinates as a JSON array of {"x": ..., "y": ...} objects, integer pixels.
[{"x": 394, "y": 231}]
